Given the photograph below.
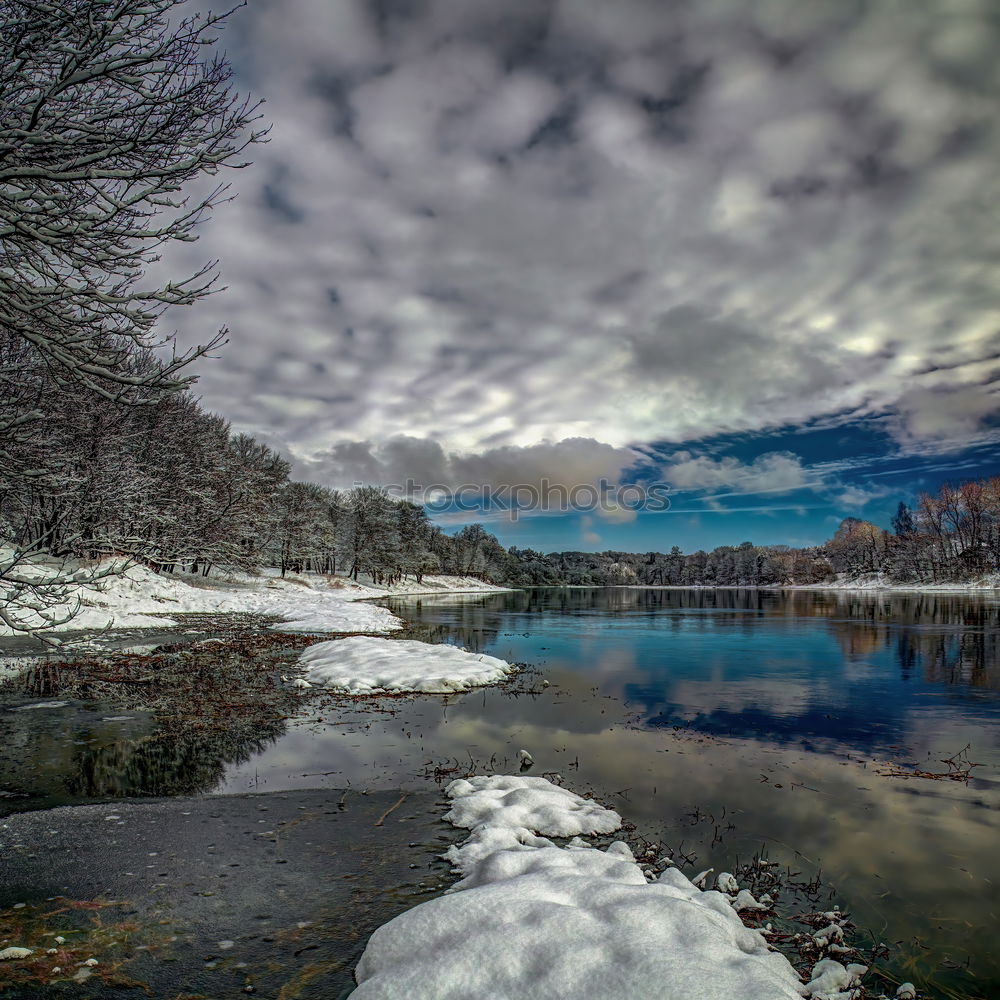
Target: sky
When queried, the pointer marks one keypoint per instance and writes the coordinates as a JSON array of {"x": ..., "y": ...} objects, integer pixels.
[{"x": 747, "y": 250}]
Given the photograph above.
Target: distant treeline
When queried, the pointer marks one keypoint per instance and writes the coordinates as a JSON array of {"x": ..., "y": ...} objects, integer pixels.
[
  {"x": 168, "y": 483},
  {"x": 949, "y": 537}
]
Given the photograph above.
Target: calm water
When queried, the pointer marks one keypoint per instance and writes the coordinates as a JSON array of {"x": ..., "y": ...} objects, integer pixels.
[{"x": 717, "y": 721}]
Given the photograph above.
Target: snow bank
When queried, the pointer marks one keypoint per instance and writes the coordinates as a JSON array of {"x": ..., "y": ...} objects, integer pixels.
[
  {"x": 534, "y": 920},
  {"x": 305, "y": 603},
  {"x": 429, "y": 585},
  {"x": 517, "y": 802},
  {"x": 129, "y": 599},
  {"x": 363, "y": 665},
  {"x": 878, "y": 581}
]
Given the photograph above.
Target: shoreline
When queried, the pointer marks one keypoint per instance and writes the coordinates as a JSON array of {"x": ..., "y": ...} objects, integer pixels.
[{"x": 857, "y": 587}]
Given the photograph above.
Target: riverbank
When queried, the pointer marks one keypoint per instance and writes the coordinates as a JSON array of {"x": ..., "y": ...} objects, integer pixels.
[
  {"x": 218, "y": 896},
  {"x": 624, "y": 715},
  {"x": 138, "y": 598},
  {"x": 979, "y": 586}
]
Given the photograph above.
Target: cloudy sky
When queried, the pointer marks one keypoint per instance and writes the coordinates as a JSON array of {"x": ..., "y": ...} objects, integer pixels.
[{"x": 748, "y": 249}]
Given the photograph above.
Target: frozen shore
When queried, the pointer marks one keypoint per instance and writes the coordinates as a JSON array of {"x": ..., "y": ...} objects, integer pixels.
[{"x": 306, "y": 603}]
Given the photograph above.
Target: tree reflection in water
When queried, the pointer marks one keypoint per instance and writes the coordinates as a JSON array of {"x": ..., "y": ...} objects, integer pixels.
[{"x": 191, "y": 713}]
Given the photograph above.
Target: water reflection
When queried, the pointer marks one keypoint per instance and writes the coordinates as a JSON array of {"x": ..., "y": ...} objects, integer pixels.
[
  {"x": 842, "y": 668},
  {"x": 161, "y": 725}
]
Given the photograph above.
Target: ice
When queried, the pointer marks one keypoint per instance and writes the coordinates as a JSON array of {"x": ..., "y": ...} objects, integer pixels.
[
  {"x": 366, "y": 664},
  {"x": 534, "y": 920}
]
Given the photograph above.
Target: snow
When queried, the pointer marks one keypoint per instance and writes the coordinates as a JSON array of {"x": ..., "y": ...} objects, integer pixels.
[
  {"x": 366, "y": 664},
  {"x": 313, "y": 603},
  {"x": 726, "y": 883},
  {"x": 429, "y": 586},
  {"x": 745, "y": 900},
  {"x": 531, "y": 919},
  {"x": 9, "y": 953},
  {"x": 879, "y": 581},
  {"x": 517, "y": 803},
  {"x": 830, "y": 979}
]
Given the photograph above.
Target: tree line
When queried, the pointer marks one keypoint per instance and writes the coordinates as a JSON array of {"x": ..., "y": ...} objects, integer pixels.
[
  {"x": 168, "y": 484},
  {"x": 949, "y": 536}
]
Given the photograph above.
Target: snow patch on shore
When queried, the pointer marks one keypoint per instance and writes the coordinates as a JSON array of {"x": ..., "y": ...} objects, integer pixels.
[
  {"x": 366, "y": 665},
  {"x": 429, "y": 586},
  {"x": 131, "y": 598},
  {"x": 307, "y": 603},
  {"x": 531, "y": 919}
]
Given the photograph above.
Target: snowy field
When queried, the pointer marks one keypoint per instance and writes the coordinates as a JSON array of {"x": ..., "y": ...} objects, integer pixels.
[
  {"x": 367, "y": 665},
  {"x": 532, "y": 920},
  {"x": 305, "y": 603}
]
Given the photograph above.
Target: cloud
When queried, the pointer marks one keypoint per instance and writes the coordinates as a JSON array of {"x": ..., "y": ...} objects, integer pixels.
[
  {"x": 774, "y": 472},
  {"x": 568, "y": 463},
  {"x": 488, "y": 226},
  {"x": 853, "y": 497}
]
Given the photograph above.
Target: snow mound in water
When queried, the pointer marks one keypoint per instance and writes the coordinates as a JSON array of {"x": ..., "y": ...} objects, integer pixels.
[
  {"x": 533, "y": 920},
  {"x": 366, "y": 665}
]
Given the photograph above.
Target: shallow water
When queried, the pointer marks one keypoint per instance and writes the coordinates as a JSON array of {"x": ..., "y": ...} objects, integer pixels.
[{"x": 717, "y": 721}]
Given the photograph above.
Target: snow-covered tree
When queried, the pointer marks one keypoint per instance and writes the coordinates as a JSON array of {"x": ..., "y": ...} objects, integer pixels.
[
  {"x": 109, "y": 111},
  {"x": 110, "y": 114}
]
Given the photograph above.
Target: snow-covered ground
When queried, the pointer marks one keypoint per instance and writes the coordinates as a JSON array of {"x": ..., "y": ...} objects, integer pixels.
[
  {"x": 875, "y": 582},
  {"x": 428, "y": 585},
  {"x": 312, "y": 603},
  {"x": 878, "y": 582},
  {"x": 365, "y": 665},
  {"x": 530, "y": 919}
]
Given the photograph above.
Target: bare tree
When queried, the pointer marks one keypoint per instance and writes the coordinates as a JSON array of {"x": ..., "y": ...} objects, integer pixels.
[
  {"x": 111, "y": 112},
  {"x": 108, "y": 110}
]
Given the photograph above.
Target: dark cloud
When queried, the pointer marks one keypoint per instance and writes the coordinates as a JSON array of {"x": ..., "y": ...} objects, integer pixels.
[{"x": 621, "y": 222}]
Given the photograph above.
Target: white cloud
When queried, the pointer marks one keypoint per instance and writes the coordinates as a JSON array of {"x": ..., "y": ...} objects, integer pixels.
[
  {"x": 774, "y": 472},
  {"x": 622, "y": 222}
]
